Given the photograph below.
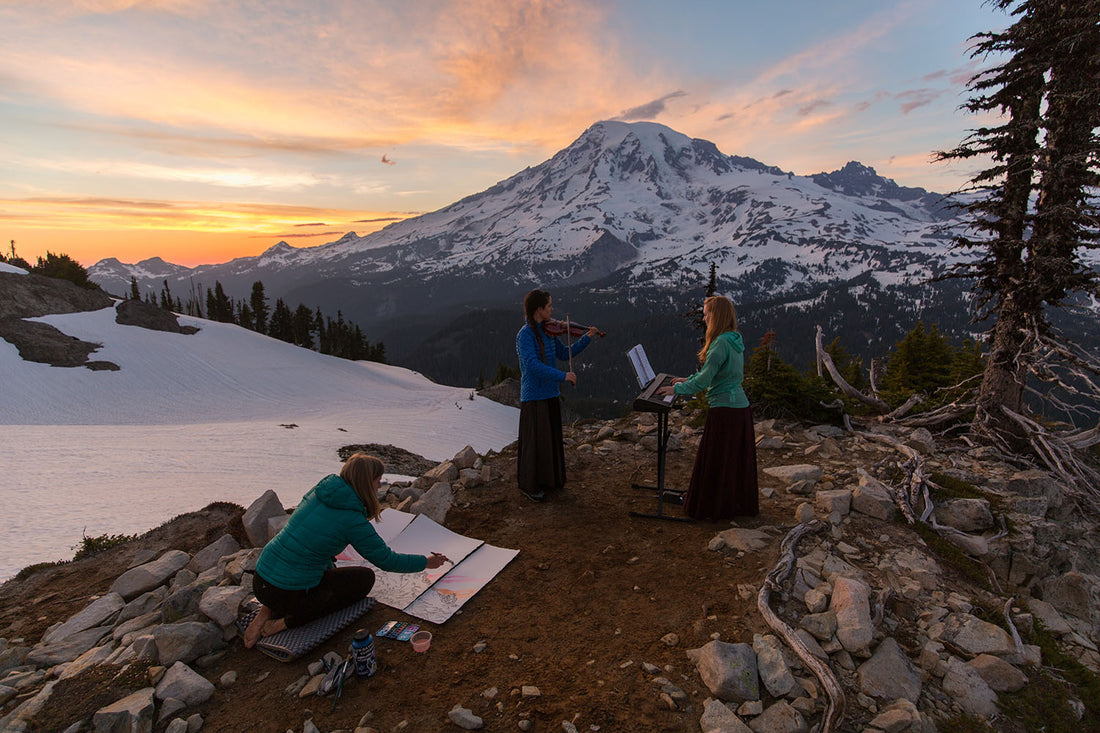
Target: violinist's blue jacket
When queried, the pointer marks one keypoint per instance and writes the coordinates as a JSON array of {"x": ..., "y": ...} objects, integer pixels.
[{"x": 540, "y": 376}]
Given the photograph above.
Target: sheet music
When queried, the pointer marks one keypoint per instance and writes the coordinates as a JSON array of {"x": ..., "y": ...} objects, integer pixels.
[{"x": 642, "y": 369}]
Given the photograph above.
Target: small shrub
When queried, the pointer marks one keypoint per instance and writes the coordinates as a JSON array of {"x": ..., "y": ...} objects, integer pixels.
[
  {"x": 963, "y": 723},
  {"x": 94, "y": 545},
  {"x": 32, "y": 569}
]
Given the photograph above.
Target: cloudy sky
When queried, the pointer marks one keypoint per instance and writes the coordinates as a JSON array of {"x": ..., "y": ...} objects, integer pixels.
[{"x": 202, "y": 130}]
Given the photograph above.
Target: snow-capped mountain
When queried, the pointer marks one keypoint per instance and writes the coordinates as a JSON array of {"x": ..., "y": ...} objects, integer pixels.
[{"x": 626, "y": 203}]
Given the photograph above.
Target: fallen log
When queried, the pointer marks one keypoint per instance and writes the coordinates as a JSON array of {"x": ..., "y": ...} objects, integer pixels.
[{"x": 834, "y": 711}]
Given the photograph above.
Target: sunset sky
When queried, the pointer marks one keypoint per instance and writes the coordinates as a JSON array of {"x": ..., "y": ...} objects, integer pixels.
[{"x": 203, "y": 130}]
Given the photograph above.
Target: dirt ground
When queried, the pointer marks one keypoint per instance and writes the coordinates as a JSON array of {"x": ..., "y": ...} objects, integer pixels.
[{"x": 576, "y": 614}]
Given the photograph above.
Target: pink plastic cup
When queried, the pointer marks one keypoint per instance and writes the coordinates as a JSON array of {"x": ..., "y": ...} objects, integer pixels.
[{"x": 421, "y": 640}]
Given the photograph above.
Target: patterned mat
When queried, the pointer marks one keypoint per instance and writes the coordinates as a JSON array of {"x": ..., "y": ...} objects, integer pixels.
[{"x": 293, "y": 643}]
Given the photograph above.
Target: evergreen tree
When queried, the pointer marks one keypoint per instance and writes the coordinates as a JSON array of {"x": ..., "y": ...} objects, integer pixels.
[
  {"x": 1035, "y": 203},
  {"x": 303, "y": 325},
  {"x": 258, "y": 301},
  {"x": 776, "y": 388},
  {"x": 62, "y": 267},
  {"x": 166, "y": 297},
  {"x": 218, "y": 305},
  {"x": 135, "y": 291},
  {"x": 282, "y": 322}
]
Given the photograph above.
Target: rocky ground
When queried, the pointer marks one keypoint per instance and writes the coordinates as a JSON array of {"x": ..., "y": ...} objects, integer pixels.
[{"x": 595, "y": 624}]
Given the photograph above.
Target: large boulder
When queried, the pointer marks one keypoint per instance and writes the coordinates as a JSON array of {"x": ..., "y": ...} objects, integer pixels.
[
  {"x": 728, "y": 670},
  {"x": 256, "y": 517},
  {"x": 133, "y": 583}
]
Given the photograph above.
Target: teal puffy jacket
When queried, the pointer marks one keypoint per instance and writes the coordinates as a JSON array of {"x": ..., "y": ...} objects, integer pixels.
[{"x": 329, "y": 518}]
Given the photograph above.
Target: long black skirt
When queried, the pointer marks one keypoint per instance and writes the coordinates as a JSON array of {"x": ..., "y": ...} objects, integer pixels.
[
  {"x": 540, "y": 463},
  {"x": 723, "y": 482}
]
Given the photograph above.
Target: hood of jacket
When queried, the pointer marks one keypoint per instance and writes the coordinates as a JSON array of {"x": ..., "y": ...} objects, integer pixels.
[
  {"x": 734, "y": 339},
  {"x": 335, "y": 492}
]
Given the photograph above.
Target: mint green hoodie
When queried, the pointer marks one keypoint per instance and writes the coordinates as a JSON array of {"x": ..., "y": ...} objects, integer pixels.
[
  {"x": 329, "y": 518},
  {"x": 722, "y": 373}
]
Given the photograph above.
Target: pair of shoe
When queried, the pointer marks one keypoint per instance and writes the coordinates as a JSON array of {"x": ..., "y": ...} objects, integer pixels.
[{"x": 535, "y": 496}]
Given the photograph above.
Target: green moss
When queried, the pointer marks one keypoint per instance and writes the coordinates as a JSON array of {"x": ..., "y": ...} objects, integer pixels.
[
  {"x": 953, "y": 557},
  {"x": 956, "y": 488},
  {"x": 963, "y": 723}
]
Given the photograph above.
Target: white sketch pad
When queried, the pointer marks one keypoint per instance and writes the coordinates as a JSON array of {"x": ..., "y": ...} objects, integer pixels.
[{"x": 439, "y": 603}]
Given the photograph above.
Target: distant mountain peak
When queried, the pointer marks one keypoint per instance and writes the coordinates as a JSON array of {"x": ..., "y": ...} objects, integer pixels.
[{"x": 856, "y": 179}]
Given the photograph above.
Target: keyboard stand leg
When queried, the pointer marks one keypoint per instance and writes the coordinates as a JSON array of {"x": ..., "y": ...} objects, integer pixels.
[{"x": 662, "y": 447}]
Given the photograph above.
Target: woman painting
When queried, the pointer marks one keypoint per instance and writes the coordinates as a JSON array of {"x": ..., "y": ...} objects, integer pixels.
[
  {"x": 295, "y": 579},
  {"x": 540, "y": 465},
  {"x": 723, "y": 482}
]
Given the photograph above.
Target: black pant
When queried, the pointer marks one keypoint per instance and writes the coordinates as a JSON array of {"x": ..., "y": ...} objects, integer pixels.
[{"x": 339, "y": 588}]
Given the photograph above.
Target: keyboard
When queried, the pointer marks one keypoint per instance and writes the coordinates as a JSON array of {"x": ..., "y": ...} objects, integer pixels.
[{"x": 650, "y": 401}]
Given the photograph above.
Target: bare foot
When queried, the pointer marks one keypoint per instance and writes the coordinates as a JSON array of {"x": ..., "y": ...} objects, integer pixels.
[
  {"x": 274, "y": 626},
  {"x": 255, "y": 628}
]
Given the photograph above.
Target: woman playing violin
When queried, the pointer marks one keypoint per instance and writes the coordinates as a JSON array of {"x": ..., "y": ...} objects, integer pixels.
[{"x": 540, "y": 464}]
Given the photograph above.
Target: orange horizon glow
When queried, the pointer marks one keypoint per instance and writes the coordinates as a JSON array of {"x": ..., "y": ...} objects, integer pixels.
[{"x": 182, "y": 233}]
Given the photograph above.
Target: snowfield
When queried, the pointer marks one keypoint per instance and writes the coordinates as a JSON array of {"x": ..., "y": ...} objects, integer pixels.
[{"x": 220, "y": 415}]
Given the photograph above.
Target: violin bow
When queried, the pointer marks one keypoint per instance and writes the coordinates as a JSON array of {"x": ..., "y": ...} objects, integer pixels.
[{"x": 569, "y": 340}]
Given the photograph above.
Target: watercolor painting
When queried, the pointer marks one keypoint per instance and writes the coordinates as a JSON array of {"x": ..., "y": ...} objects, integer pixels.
[
  {"x": 419, "y": 534},
  {"x": 439, "y": 602}
]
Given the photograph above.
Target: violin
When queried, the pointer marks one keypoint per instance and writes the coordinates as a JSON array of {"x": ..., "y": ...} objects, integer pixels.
[{"x": 557, "y": 328}]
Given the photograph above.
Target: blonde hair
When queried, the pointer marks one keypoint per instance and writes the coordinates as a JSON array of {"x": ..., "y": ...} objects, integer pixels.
[
  {"x": 361, "y": 472},
  {"x": 723, "y": 317}
]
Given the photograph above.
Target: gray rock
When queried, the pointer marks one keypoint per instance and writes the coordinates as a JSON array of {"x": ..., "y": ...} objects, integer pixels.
[
  {"x": 779, "y": 718},
  {"x": 822, "y": 626},
  {"x": 186, "y": 642},
  {"x": 975, "y": 636},
  {"x": 899, "y": 716},
  {"x": 133, "y": 713},
  {"x": 209, "y": 556},
  {"x": 256, "y": 516},
  {"x": 967, "y": 688},
  {"x": 872, "y": 498},
  {"x": 178, "y": 725},
  {"x": 717, "y": 718},
  {"x": 998, "y": 674},
  {"x": 275, "y": 524},
  {"x": 1048, "y": 615},
  {"x": 97, "y": 613},
  {"x": 436, "y": 502},
  {"x": 90, "y": 658},
  {"x": 833, "y": 500},
  {"x": 138, "y": 623},
  {"x": 470, "y": 477},
  {"x": 965, "y": 515},
  {"x": 47, "y": 655},
  {"x": 728, "y": 670},
  {"x": 1076, "y": 594},
  {"x": 771, "y": 665},
  {"x": 445, "y": 472},
  {"x": 796, "y": 472},
  {"x": 146, "y": 577},
  {"x": 143, "y": 604},
  {"x": 889, "y": 675},
  {"x": 921, "y": 440},
  {"x": 220, "y": 603},
  {"x": 464, "y": 718},
  {"x": 851, "y": 604},
  {"x": 745, "y": 540},
  {"x": 465, "y": 458},
  {"x": 184, "y": 684},
  {"x": 169, "y": 706}
]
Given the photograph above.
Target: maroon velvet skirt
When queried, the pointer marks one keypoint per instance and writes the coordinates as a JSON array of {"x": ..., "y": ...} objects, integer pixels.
[{"x": 723, "y": 482}]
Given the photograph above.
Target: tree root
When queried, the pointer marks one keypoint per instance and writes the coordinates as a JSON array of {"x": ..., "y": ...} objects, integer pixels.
[{"x": 834, "y": 712}]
